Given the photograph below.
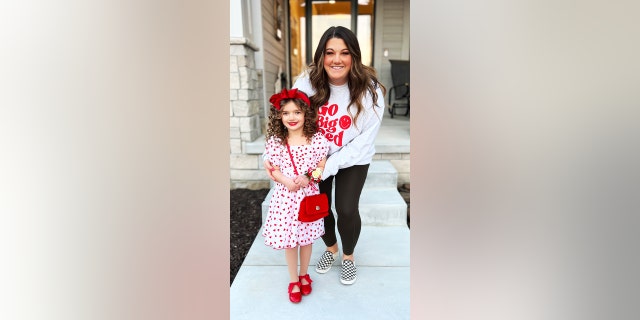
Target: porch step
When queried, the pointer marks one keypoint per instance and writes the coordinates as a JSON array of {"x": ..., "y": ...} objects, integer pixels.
[
  {"x": 382, "y": 207},
  {"x": 380, "y": 202},
  {"x": 381, "y": 174}
]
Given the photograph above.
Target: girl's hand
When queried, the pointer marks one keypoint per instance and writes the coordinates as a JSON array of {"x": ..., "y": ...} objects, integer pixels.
[
  {"x": 270, "y": 168},
  {"x": 301, "y": 180},
  {"x": 291, "y": 185}
]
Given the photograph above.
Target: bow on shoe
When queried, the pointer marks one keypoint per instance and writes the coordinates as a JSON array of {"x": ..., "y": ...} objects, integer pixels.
[{"x": 288, "y": 94}]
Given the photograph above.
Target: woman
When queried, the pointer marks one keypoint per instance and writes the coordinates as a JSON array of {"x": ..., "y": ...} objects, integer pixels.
[{"x": 350, "y": 104}]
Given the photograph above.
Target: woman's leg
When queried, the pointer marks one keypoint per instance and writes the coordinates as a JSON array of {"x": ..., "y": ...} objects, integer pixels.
[
  {"x": 329, "y": 237},
  {"x": 349, "y": 184},
  {"x": 323, "y": 265}
]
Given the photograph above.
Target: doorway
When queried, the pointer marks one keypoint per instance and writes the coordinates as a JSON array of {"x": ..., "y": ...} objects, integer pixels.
[{"x": 308, "y": 19}]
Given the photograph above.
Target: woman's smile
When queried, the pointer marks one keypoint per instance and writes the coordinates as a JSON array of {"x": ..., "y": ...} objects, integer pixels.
[{"x": 337, "y": 61}]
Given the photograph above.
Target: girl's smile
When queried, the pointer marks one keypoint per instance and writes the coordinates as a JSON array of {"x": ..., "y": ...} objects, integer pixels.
[{"x": 292, "y": 117}]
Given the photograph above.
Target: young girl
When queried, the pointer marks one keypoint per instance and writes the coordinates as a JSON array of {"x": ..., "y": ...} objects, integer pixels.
[{"x": 292, "y": 133}]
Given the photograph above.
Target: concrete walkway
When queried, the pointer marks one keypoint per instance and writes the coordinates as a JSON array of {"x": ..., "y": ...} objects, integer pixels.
[{"x": 259, "y": 290}]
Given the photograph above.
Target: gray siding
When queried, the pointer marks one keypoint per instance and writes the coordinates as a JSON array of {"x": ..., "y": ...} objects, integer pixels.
[
  {"x": 274, "y": 49},
  {"x": 392, "y": 33}
]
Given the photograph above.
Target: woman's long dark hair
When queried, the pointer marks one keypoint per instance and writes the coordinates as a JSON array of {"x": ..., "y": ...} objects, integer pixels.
[
  {"x": 362, "y": 79},
  {"x": 275, "y": 127}
]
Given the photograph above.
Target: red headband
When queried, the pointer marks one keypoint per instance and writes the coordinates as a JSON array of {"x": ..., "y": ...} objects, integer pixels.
[{"x": 288, "y": 94}]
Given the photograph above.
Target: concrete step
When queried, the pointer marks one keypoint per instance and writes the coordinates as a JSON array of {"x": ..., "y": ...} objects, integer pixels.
[
  {"x": 259, "y": 290},
  {"x": 382, "y": 207},
  {"x": 380, "y": 202},
  {"x": 381, "y": 174},
  {"x": 378, "y": 207}
]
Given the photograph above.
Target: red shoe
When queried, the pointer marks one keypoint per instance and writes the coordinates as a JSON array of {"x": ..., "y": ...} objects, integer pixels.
[
  {"x": 295, "y": 297},
  {"x": 305, "y": 288}
]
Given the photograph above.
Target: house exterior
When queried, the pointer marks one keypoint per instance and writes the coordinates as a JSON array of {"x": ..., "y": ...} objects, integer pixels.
[{"x": 268, "y": 48}]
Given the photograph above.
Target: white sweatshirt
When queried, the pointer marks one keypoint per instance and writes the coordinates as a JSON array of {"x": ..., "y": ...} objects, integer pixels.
[{"x": 349, "y": 144}]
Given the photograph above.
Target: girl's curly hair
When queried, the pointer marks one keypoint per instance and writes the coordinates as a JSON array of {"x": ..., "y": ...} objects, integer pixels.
[{"x": 275, "y": 127}]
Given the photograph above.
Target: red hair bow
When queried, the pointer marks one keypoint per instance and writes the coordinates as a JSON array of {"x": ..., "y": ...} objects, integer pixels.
[{"x": 288, "y": 94}]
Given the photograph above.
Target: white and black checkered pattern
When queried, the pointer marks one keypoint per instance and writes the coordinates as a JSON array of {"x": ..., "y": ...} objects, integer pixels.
[
  {"x": 348, "y": 273},
  {"x": 326, "y": 260}
]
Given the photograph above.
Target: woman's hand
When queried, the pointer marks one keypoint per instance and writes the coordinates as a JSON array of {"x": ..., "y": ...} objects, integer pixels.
[{"x": 270, "y": 168}]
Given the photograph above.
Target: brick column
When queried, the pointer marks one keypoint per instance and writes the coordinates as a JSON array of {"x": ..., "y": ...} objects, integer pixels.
[{"x": 246, "y": 102}]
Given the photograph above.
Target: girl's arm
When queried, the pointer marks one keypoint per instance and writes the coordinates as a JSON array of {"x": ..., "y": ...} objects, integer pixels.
[
  {"x": 303, "y": 179},
  {"x": 288, "y": 182},
  {"x": 270, "y": 150},
  {"x": 270, "y": 168},
  {"x": 322, "y": 163}
]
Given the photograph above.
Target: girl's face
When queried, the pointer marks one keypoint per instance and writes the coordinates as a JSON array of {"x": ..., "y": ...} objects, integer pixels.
[
  {"x": 337, "y": 61},
  {"x": 292, "y": 116}
]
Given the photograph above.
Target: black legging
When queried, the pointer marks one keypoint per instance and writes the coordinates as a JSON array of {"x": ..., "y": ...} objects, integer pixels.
[{"x": 349, "y": 183}]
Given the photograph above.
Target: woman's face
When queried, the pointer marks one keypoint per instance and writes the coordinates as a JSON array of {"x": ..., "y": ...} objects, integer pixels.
[{"x": 337, "y": 61}]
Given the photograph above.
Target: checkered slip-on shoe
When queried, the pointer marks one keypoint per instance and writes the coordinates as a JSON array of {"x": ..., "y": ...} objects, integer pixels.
[
  {"x": 348, "y": 273},
  {"x": 326, "y": 260}
]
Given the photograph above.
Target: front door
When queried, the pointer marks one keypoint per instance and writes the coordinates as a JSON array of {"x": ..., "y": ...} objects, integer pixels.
[{"x": 356, "y": 15}]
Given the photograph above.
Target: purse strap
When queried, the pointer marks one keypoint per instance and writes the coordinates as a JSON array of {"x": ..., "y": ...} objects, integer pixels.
[{"x": 295, "y": 170}]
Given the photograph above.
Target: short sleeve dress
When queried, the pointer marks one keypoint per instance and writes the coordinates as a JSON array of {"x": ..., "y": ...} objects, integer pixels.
[{"x": 282, "y": 230}]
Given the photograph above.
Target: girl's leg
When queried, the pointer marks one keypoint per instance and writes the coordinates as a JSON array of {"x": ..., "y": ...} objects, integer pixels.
[
  {"x": 349, "y": 184},
  {"x": 329, "y": 237},
  {"x": 305, "y": 280},
  {"x": 291, "y": 255},
  {"x": 305, "y": 257}
]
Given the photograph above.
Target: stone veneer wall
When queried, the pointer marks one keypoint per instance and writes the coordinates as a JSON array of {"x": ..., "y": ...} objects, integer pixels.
[{"x": 246, "y": 103}]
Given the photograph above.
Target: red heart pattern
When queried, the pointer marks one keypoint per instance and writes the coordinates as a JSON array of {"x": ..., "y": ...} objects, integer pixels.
[{"x": 282, "y": 229}]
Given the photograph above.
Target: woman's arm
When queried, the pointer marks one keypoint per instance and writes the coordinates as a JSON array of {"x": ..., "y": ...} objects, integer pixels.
[{"x": 358, "y": 148}]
